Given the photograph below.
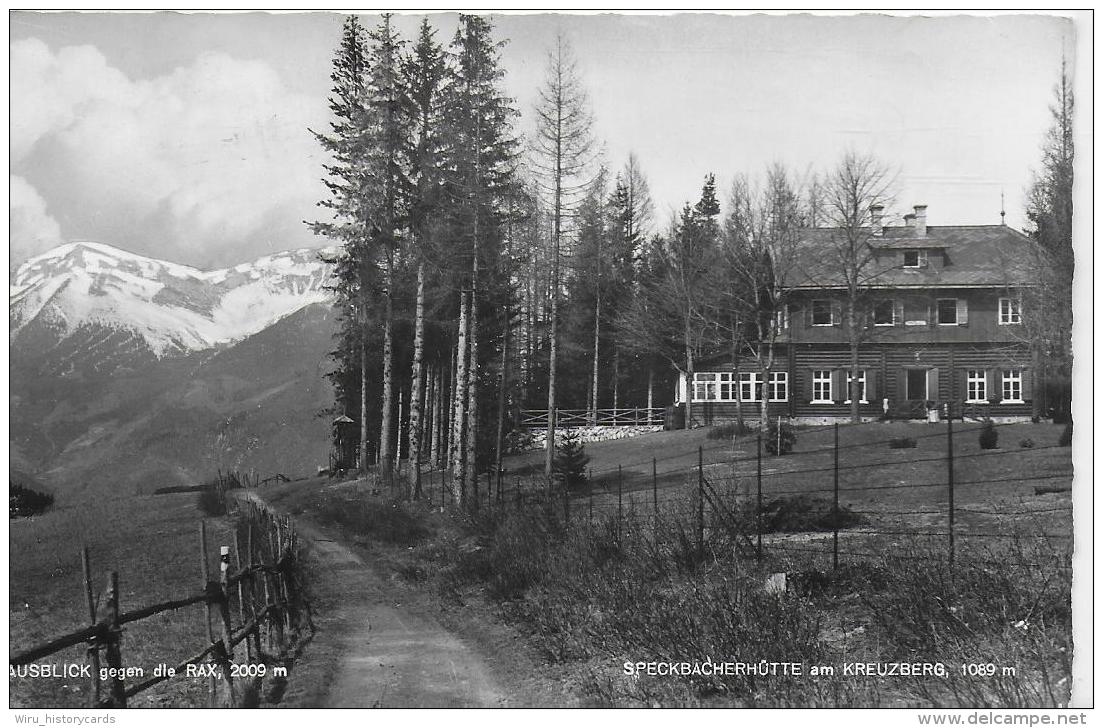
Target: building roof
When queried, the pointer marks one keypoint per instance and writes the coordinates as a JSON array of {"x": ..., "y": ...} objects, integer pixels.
[{"x": 975, "y": 255}]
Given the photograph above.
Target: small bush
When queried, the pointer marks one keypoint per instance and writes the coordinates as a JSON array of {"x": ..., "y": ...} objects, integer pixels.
[
  {"x": 1066, "y": 436},
  {"x": 989, "y": 437},
  {"x": 569, "y": 464},
  {"x": 803, "y": 514},
  {"x": 378, "y": 520},
  {"x": 899, "y": 443},
  {"x": 783, "y": 444},
  {"x": 23, "y": 501},
  {"x": 1026, "y": 443},
  {"x": 729, "y": 430}
]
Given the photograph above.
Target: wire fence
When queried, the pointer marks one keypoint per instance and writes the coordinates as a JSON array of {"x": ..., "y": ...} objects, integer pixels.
[{"x": 739, "y": 496}]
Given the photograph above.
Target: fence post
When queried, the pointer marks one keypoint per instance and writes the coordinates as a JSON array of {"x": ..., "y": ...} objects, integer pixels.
[
  {"x": 224, "y": 613},
  {"x": 114, "y": 653},
  {"x": 655, "y": 489},
  {"x": 950, "y": 478},
  {"x": 758, "y": 510},
  {"x": 591, "y": 499},
  {"x": 94, "y": 648},
  {"x": 620, "y": 500},
  {"x": 700, "y": 501},
  {"x": 206, "y": 572},
  {"x": 835, "y": 507}
]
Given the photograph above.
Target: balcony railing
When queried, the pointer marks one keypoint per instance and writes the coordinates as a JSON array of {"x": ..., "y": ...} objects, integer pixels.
[{"x": 625, "y": 416}]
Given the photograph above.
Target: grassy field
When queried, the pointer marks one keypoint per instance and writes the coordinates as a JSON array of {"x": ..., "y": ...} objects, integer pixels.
[
  {"x": 592, "y": 593},
  {"x": 153, "y": 543}
]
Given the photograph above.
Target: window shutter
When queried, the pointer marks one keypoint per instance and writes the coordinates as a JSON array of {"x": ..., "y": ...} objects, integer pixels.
[
  {"x": 836, "y": 314},
  {"x": 922, "y": 258},
  {"x": 962, "y": 312},
  {"x": 807, "y": 313},
  {"x": 838, "y": 385},
  {"x": 932, "y": 384},
  {"x": 962, "y": 385},
  {"x": 997, "y": 385},
  {"x": 898, "y": 313},
  {"x": 808, "y": 390},
  {"x": 871, "y": 386},
  {"x": 1028, "y": 393},
  {"x": 902, "y": 385}
]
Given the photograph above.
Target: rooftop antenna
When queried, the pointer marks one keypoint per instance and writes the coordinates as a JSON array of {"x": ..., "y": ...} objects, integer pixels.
[{"x": 1003, "y": 213}]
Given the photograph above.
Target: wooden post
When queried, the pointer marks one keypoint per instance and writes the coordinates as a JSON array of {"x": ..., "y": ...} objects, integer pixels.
[
  {"x": 835, "y": 507},
  {"x": 227, "y": 630},
  {"x": 206, "y": 573},
  {"x": 655, "y": 489},
  {"x": 620, "y": 500},
  {"x": 113, "y": 653},
  {"x": 700, "y": 501},
  {"x": 758, "y": 510},
  {"x": 950, "y": 478},
  {"x": 94, "y": 649}
]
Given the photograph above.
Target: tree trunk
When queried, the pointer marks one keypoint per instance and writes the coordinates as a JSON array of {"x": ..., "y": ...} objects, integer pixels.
[
  {"x": 650, "y": 386},
  {"x": 597, "y": 348},
  {"x": 471, "y": 466},
  {"x": 503, "y": 384},
  {"x": 689, "y": 378},
  {"x": 438, "y": 424},
  {"x": 363, "y": 398},
  {"x": 549, "y": 449},
  {"x": 398, "y": 433},
  {"x": 853, "y": 387},
  {"x": 459, "y": 415},
  {"x": 735, "y": 375},
  {"x": 415, "y": 385},
  {"x": 386, "y": 424},
  {"x": 616, "y": 377}
]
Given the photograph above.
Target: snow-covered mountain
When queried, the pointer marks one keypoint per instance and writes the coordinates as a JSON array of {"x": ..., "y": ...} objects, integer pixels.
[{"x": 89, "y": 301}]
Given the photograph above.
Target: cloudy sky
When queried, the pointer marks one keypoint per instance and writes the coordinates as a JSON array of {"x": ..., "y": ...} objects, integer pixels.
[{"x": 184, "y": 136}]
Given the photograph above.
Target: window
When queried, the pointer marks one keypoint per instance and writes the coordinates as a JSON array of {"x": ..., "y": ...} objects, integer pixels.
[
  {"x": 947, "y": 312},
  {"x": 727, "y": 387},
  {"x": 821, "y": 386},
  {"x": 884, "y": 313},
  {"x": 779, "y": 386},
  {"x": 1011, "y": 311},
  {"x": 713, "y": 387},
  {"x": 704, "y": 386},
  {"x": 1012, "y": 385},
  {"x": 861, "y": 385},
  {"x": 976, "y": 386},
  {"x": 915, "y": 258},
  {"x": 781, "y": 318},
  {"x": 749, "y": 386},
  {"x": 822, "y": 313}
]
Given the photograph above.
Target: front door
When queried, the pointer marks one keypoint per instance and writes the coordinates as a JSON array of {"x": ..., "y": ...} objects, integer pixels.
[{"x": 917, "y": 384}]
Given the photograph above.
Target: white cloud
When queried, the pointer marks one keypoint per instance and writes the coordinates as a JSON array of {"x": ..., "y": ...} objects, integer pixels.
[
  {"x": 211, "y": 159},
  {"x": 31, "y": 230}
]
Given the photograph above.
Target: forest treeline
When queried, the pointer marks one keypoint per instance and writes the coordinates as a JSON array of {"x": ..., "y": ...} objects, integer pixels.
[{"x": 480, "y": 272}]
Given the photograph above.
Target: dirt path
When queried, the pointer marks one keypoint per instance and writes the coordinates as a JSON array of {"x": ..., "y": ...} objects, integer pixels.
[
  {"x": 371, "y": 651},
  {"x": 390, "y": 657}
]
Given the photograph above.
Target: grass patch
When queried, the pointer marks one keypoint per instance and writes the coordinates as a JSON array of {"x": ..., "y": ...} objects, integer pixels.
[
  {"x": 728, "y": 430},
  {"x": 591, "y": 596}
]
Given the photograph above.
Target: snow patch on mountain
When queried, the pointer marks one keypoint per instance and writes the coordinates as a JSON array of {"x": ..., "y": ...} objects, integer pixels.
[{"x": 174, "y": 308}]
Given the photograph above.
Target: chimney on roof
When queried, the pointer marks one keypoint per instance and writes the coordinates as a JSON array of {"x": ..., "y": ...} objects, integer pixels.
[
  {"x": 921, "y": 221},
  {"x": 877, "y": 215},
  {"x": 909, "y": 220}
]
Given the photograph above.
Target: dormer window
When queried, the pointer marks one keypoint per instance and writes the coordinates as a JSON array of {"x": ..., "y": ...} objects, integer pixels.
[{"x": 915, "y": 258}]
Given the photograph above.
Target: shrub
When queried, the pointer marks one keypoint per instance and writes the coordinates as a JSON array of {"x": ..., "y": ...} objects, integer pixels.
[
  {"x": 212, "y": 499},
  {"x": 1066, "y": 436},
  {"x": 802, "y": 514},
  {"x": 989, "y": 437},
  {"x": 898, "y": 443},
  {"x": 23, "y": 502},
  {"x": 569, "y": 464},
  {"x": 1026, "y": 442},
  {"x": 780, "y": 444},
  {"x": 729, "y": 430}
]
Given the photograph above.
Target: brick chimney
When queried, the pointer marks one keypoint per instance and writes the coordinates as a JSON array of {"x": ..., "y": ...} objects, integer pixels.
[
  {"x": 877, "y": 214},
  {"x": 921, "y": 221},
  {"x": 909, "y": 220}
]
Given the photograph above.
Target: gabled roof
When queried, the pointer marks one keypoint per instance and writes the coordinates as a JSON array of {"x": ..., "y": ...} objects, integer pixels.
[{"x": 976, "y": 255}]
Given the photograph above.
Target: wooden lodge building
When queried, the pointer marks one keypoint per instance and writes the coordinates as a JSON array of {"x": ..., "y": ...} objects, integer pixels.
[{"x": 943, "y": 327}]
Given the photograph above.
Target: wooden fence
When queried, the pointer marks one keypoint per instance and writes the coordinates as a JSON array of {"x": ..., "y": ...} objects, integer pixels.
[
  {"x": 258, "y": 600},
  {"x": 605, "y": 417}
]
